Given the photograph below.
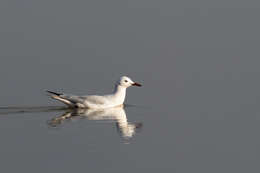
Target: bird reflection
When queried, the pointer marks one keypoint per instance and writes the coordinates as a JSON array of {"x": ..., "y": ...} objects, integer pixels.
[{"x": 125, "y": 128}]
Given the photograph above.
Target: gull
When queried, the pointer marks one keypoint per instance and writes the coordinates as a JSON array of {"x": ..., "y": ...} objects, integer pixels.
[{"x": 95, "y": 101}]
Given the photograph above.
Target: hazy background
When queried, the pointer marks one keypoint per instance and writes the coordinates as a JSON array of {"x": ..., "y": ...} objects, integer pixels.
[{"x": 198, "y": 61}]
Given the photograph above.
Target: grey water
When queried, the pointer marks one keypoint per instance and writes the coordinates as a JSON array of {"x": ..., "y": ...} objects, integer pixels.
[{"x": 198, "y": 109}]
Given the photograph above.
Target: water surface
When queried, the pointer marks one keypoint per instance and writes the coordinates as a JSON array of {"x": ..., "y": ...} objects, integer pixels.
[{"x": 198, "y": 109}]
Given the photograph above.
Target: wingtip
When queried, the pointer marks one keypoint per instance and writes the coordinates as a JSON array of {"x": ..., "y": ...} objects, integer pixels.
[{"x": 51, "y": 92}]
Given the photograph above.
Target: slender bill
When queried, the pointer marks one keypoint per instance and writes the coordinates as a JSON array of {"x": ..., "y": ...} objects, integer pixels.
[{"x": 136, "y": 84}]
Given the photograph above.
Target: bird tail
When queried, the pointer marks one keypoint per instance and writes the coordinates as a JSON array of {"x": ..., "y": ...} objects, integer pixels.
[
  {"x": 58, "y": 96},
  {"x": 54, "y": 93}
]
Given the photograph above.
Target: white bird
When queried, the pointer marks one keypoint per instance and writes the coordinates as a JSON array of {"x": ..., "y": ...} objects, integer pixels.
[{"x": 95, "y": 101}]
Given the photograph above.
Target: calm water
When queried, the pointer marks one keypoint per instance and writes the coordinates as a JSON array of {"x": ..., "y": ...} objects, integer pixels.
[{"x": 198, "y": 109}]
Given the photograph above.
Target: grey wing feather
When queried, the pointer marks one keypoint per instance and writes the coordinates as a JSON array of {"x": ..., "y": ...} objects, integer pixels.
[
  {"x": 72, "y": 98},
  {"x": 93, "y": 99}
]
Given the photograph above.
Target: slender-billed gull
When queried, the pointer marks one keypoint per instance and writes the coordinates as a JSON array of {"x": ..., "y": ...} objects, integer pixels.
[{"x": 95, "y": 101}]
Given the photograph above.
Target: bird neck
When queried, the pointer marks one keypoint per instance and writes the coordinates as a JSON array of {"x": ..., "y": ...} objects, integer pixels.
[{"x": 120, "y": 93}]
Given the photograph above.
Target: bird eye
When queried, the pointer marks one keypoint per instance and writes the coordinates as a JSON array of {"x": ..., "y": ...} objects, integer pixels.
[{"x": 126, "y": 81}]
